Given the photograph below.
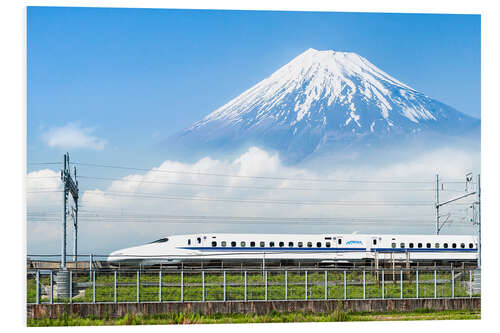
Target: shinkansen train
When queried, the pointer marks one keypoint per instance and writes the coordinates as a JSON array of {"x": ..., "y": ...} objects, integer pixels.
[{"x": 322, "y": 248}]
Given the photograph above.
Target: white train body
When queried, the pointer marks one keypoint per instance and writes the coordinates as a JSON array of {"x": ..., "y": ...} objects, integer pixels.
[{"x": 294, "y": 247}]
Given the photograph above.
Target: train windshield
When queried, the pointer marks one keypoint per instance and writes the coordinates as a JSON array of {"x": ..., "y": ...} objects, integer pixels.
[{"x": 161, "y": 240}]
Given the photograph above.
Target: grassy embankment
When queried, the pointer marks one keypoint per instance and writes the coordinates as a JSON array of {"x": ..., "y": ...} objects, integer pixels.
[{"x": 165, "y": 319}]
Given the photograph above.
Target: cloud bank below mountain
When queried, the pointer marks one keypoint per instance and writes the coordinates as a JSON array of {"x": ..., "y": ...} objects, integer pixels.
[{"x": 262, "y": 196}]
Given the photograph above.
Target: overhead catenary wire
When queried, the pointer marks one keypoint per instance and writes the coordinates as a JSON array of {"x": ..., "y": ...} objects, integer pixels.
[
  {"x": 93, "y": 217},
  {"x": 257, "y": 187},
  {"x": 245, "y": 187},
  {"x": 392, "y": 181},
  {"x": 93, "y": 209},
  {"x": 353, "y": 203},
  {"x": 121, "y": 214},
  {"x": 42, "y": 177},
  {"x": 259, "y": 177},
  {"x": 378, "y": 224},
  {"x": 284, "y": 202},
  {"x": 44, "y": 163},
  {"x": 230, "y": 218}
]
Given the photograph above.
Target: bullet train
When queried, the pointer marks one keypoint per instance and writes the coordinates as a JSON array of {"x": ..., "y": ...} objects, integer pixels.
[{"x": 299, "y": 247}]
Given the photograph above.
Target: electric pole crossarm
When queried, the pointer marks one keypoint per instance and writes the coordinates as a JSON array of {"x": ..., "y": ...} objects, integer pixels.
[
  {"x": 72, "y": 187},
  {"x": 468, "y": 180},
  {"x": 447, "y": 202}
]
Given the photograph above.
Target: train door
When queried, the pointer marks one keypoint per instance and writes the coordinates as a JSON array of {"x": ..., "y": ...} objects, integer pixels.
[
  {"x": 339, "y": 244},
  {"x": 374, "y": 243},
  {"x": 199, "y": 240},
  {"x": 339, "y": 241}
]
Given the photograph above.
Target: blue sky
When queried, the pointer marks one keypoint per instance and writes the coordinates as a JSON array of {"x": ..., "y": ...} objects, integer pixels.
[
  {"x": 110, "y": 85},
  {"x": 129, "y": 78}
]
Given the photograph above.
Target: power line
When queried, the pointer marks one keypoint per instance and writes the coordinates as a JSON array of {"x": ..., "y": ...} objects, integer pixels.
[
  {"x": 43, "y": 163},
  {"x": 42, "y": 177},
  {"x": 353, "y": 203},
  {"x": 450, "y": 181},
  {"x": 251, "y": 187},
  {"x": 94, "y": 217},
  {"x": 411, "y": 224},
  {"x": 142, "y": 213},
  {"x": 320, "y": 203},
  {"x": 258, "y": 177},
  {"x": 232, "y": 218}
]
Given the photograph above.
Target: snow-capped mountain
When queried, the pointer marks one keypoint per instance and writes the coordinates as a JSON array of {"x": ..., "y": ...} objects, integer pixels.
[{"x": 323, "y": 100}]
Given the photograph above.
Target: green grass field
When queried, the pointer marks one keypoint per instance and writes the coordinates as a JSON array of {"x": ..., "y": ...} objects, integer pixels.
[
  {"x": 192, "y": 289},
  {"x": 166, "y": 319}
]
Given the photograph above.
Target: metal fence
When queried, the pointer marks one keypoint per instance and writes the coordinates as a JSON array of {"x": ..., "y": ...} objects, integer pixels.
[{"x": 168, "y": 285}]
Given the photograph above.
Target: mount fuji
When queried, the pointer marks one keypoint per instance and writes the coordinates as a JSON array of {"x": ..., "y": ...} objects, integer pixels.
[{"x": 327, "y": 103}]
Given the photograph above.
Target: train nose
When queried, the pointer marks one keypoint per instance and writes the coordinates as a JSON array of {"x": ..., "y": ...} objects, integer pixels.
[{"x": 115, "y": 257}]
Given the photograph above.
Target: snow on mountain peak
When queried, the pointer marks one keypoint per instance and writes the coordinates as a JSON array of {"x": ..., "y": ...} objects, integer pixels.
[{"x": 327, "y": 78}]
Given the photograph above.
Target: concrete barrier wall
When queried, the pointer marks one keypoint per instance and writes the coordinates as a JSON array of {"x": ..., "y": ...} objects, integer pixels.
[{"x": 259, "y": 307}]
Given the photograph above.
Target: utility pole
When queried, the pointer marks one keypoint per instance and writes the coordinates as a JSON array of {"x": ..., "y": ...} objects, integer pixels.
[
  {"x": 479, "y": 221},
  {"x": 437, "y": 205},
  {"x": 71, "y": 187},
  {"x": 75, "y": 223},
  {"x": 64, "y": 212}
]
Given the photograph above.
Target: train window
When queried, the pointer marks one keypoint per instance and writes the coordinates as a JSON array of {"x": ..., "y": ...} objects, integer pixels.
[
  {"x": 309, "y": 244},
  {"x": 374, "y": 242},
  {"x": 282, "y": 244},
  {"x": 189, "y": 242},
  {"x": 402, "y": 245},
  {"x": 471, "y": 245},
  {"x": 290, "y": 244},
  {"x": 340, "y": 241},
  {"x": 428, "y": 245},
  {"x": 328, "y": 244},
  {"x": 262, "y": 244},
  {"x": 454, "y": 245},
  {"x": 419, "y": 245},
  {"x": 318, "y": 244},
  {"x": 445, "y": 245},
  {"x": 300, "y": 244},
  {"x": 233, "y": 244},
  {"x": 243, "y": 244},
  {"x": 436, "y": 245},
  {"x": 411, "y": 245},
  {"x": 462, "y": 246},
  {"x": 198, "y": 240},
  {"x": 223, "y": 244},
  {"x": 252, "y": 244},
  {"x": 214, "y": 244},
  {"x": 393, "y": 245},
  {"x": 271, "y": 244}
]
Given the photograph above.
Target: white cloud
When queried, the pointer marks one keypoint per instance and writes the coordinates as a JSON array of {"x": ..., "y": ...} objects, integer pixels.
[
  {"x": 71, "y": 136},
  {"x": 115, "y": 216},
  {"x": 44, "y": 199}
]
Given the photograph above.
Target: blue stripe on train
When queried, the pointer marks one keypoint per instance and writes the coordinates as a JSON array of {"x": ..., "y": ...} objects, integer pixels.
[
  {"x": 333, "y": 249},
  {"x": 390, "y": 249},
  {"x": 272, "y": 248}
]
